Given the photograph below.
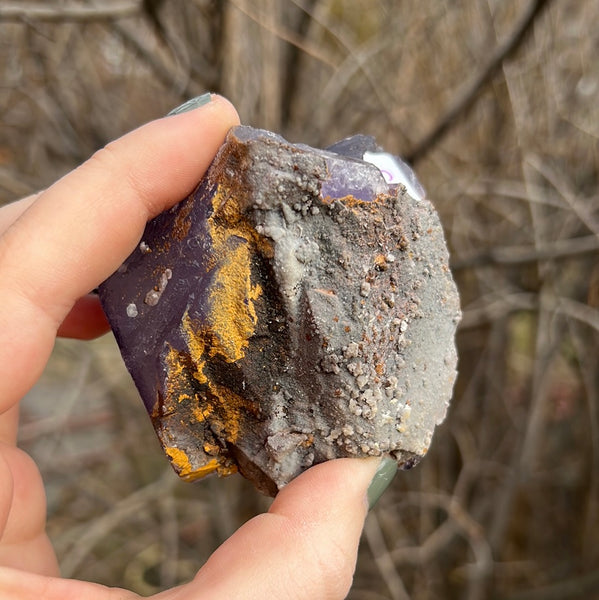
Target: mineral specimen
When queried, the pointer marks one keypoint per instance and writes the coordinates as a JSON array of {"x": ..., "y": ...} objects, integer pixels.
[{"x": 295, "y": 308}]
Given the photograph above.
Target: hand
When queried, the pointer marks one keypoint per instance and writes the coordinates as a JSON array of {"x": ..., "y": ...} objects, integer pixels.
[{"x": 54, "y": 248}]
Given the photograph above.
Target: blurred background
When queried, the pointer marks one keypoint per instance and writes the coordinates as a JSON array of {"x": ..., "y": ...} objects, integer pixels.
[{"x": 495, "y": 102}]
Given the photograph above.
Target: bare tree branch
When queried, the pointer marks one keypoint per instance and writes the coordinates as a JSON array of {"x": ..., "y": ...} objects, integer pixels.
[
  {"x": 164, "y": 69},
  {"x": 468, "y": 95},
  {"x": 287, "y": 35},
  {"x": 13, "y": 11},
  {"x": 515, "y": 255},
  {"x": 383, "y": 559}
]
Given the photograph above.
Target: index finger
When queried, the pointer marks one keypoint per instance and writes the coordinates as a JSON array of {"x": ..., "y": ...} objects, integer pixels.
[{"x": 80, "y": 230}]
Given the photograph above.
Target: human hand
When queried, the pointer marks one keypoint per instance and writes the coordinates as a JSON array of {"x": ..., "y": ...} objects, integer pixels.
[{"x": 54, "y": 248}]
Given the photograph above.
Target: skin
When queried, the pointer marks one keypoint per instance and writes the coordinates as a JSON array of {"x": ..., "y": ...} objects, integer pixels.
[{"x": 56, "y": 246}]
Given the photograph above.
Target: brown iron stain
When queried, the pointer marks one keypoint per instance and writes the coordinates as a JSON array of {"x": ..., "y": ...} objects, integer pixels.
[
  {"x": 351, "y": 202},
  {"x": 182, "y": 222},
  {"x": 380, "y": 262}
]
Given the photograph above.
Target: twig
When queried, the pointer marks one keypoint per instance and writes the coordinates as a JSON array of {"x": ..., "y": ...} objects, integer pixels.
[
  {"x": 496, "y": 307},
  {"x": 30, "y": 432},
  {"x": 462, "y": 522},
  {"x": 169, "y": 526},
  {"x": 292, "y": 65},
  {"x": 588, "y": 375},
  {"x": 499, "y": 305},
  {"x": 383, "y": 560},
  {"x": 165, "y": 70},
  {"x": 271, "y": 75},
  {"x": 14, "y": 11},
  {"x": 287, "y": 35},
  {"x": 469, "y": 93},
  {"x": 356, "y": 59},
  {"x": 547, "y": 328},
  {"x": 515, "y": 255},
  {"x": 561, "y": 184},
  {"x": 123, "y": 510},
  {"x": 582, "y": 313}
]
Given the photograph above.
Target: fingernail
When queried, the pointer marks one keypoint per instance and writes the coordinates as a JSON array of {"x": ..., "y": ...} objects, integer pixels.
[
  {"x": 191, "y": 104},
  {"x": 380, "y": 482}
]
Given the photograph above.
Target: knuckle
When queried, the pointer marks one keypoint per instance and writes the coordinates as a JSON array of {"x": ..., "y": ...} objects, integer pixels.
[{"x": 110, "y": 160}]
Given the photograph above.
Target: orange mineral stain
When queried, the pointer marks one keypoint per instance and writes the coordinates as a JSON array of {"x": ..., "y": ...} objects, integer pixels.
[
  {"x": 230, "y": 323},
  {"x": 182, "y": 465},
  {"x": 232, "y": 313},
  {"x": 195, "y": 338}
]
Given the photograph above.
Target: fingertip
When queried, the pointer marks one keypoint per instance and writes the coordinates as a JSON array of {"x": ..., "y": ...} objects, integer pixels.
[
  {"x": 228, "y": 112},
  {"x": 218, "y": 109},
  {"x": 381, "y": 480},
  {"x": 305, "y": 546},
  {"x": 348, "y": 478},
  {"x": 324, "y": 510}
]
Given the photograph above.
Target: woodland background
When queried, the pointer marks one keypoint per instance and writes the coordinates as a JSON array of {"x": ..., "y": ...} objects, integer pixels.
[{"x": 496, "y": 104}]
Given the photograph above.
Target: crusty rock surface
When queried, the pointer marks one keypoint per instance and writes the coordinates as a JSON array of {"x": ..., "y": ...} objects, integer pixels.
[{"x": 295, "y": 308}]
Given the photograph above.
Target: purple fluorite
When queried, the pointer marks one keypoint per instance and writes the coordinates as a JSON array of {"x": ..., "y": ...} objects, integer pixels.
[{"x": 295, "y": 308}]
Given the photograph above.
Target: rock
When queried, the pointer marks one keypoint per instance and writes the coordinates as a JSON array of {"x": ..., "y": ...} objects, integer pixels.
[{"x": 295, "y": 308}]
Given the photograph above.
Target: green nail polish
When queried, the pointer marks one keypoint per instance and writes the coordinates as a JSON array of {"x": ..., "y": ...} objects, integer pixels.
[
  {"x": 380, "y": 482},
  {"x": 191, "y": 104}
]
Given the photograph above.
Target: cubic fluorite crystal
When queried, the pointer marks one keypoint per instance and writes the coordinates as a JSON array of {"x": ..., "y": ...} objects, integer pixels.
[{"x": 296, "y": 307}]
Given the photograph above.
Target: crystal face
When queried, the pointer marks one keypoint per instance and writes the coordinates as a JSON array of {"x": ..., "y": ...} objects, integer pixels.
[{"x": 295, "y": 308}]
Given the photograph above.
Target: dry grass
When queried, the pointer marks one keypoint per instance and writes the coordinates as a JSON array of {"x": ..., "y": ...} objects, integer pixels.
[{"x": 506, "y": 505}]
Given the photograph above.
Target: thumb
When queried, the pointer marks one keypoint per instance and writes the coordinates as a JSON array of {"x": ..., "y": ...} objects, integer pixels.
[{"x": 305, "y": 546}]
